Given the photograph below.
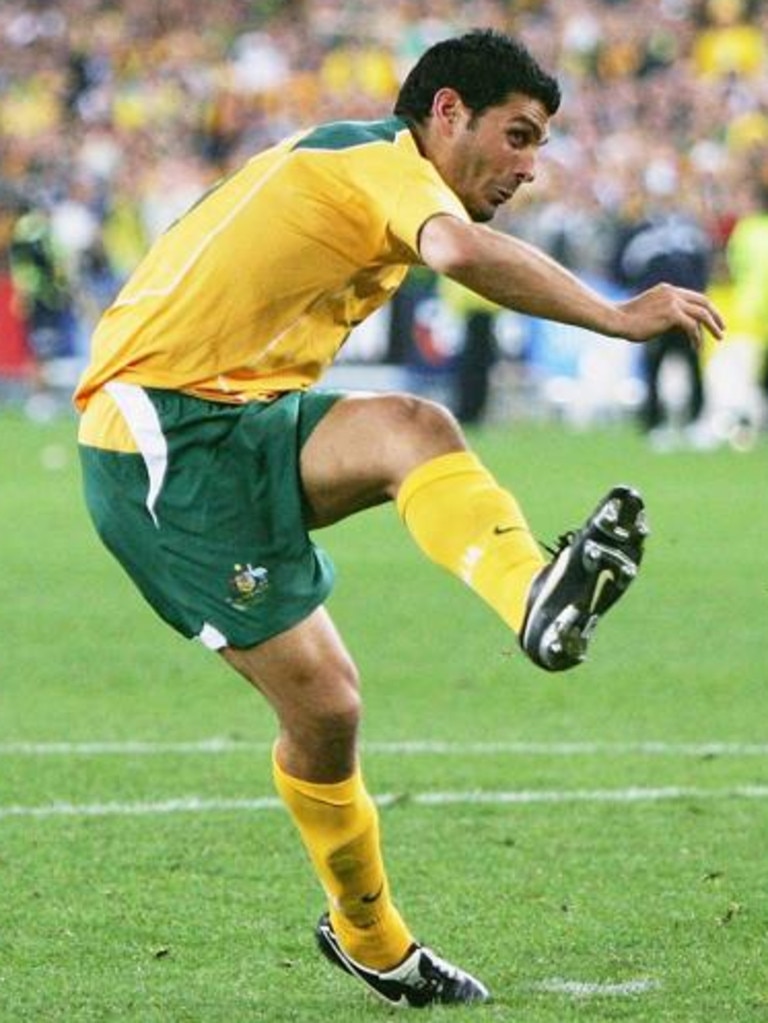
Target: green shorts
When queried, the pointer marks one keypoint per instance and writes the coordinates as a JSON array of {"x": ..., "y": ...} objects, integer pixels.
[{"x": 209, "y": 518}]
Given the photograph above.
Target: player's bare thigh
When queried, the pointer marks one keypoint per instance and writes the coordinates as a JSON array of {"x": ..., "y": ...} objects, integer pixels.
[
  {"x": 362, "y": 450},
  {"x": 308, "y": 677}
]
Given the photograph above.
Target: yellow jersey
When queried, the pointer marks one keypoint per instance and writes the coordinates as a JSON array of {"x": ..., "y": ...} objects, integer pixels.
[{"x": 252, "y": 292}]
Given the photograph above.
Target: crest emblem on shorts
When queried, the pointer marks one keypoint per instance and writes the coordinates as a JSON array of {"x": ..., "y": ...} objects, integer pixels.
[{"x": 247, "y": 585}]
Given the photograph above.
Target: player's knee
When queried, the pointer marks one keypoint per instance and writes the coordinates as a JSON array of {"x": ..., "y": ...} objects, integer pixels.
[
  {"x": 338, "y": 723},
  {"x": 420, "y": 417},
  {"x": 336, "y": 713},
  {"x": 420, "y": 429}
]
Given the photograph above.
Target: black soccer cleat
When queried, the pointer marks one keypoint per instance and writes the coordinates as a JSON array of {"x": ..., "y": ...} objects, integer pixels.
[
  {"x": 421, "y": 979},
  {"x": 591, "y": 568}
]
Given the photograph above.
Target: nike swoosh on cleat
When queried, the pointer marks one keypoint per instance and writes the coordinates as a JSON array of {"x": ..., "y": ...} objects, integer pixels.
[
  {"x": 604, "y": 577},
  {"x": 499, "y": 530}
]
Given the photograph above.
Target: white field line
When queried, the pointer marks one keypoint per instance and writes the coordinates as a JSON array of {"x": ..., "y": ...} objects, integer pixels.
[
  {"x": 200, "y": 805},
  {"x": 590, "y": 989},
  {"x": 219, "y": 746}
]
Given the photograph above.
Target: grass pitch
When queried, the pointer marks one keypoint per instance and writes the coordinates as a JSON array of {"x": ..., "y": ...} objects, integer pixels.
[{"x": 612, "y": 866}]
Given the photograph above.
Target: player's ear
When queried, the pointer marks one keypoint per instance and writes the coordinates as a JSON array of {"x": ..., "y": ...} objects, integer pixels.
[{"x": 447, "y": 109}]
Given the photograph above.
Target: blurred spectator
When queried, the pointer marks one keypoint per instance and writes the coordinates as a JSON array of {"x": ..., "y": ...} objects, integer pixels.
[
  {"x": 47, "y": 306},
  {"x": 42, "y": 286},
  {"x": 16, "y": 363},
  {"x": 747, "y": 255},
  {"x": 667, "y": 245},
  {"x": 735, "y": 405},
  {"x": 729, "y": 44},
  {"x": 477, "y": 354},
  {"x": 747, "y": 261}
]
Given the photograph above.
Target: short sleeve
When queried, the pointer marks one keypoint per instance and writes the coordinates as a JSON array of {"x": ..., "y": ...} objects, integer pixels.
[
  {"x": 400, "y": 190},
  {"x": 422, "y": 194}
]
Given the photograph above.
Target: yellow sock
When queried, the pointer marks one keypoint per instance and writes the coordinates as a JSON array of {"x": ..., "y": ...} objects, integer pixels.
[
  {"x": 339, "y": 826},
  {"x": 462, "y": 519}
]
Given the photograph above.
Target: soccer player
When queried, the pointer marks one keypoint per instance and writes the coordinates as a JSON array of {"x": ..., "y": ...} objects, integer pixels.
[{"x": 208, "y": 455}]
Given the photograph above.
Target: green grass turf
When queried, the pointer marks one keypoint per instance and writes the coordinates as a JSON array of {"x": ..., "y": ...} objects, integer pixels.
[{"x": 207, "y": 916}]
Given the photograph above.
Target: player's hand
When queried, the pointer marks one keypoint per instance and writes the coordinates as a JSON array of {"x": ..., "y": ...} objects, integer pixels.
[{"x": 666, "y": 307}]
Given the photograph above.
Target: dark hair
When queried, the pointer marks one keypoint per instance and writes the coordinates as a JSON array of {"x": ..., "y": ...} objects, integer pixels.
[{"x": 484, "y": 67}]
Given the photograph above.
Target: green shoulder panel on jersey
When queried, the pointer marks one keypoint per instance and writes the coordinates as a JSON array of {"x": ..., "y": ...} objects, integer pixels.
[{"x": 347, "y": 134}]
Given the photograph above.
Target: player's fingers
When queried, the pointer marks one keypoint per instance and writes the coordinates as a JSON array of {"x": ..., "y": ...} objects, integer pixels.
[
  {"x": 708, "y": 318},
  {"x": 697, "y": 337},
  {"x": 704, "y": 312},
  {"x": 693, "y": 331}
]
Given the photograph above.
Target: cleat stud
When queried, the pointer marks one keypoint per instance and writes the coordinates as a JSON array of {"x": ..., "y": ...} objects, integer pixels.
[
  {"x": 575, "y": 645},
  {"x": 611, "y": 511},
  {"x": 592, "y": 554}
]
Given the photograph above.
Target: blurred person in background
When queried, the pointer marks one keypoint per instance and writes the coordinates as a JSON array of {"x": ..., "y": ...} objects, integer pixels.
[
  {"x": 735, "y": 404},
  {"x": 666, "y": 243},
  {"x": 209, "y": 455},
  {"x": 47, "y": 304},
  {"x": 730, "y": 42},
  {"x": 747, "y": 263},
  {"x": 16, "y": 363},
  {"x": 478, "y": 352}
]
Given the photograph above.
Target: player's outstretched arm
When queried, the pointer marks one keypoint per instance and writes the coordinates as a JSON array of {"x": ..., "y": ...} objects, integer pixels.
[{"x": 519, "y": 276}]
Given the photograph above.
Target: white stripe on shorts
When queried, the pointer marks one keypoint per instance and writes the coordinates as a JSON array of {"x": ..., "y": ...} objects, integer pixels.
[
  {"x": 142, "y": 419},
  {"x": 210, "y": 637}
]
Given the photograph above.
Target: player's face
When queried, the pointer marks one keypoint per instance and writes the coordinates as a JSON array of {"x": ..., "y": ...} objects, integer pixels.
[{"x": 490, "y": 155}]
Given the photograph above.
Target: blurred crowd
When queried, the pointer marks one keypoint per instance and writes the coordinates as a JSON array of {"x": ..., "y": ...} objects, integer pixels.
[{"x": 115, "y": 116}]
